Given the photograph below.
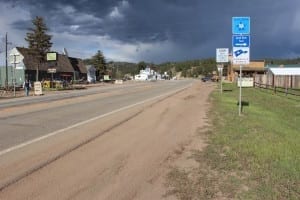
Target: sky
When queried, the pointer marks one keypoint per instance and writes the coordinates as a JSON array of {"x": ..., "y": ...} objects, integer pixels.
[{"x": 155, "y": 30}]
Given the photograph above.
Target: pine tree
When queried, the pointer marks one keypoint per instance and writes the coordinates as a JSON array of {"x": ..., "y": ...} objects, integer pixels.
[
  {"x": 39, "y": 42},
  {"x": 99, "y": 63}
]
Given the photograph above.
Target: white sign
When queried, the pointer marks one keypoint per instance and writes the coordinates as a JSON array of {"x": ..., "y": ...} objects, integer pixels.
[
  {"x": 222, "y": 55},
  {"x": 220, "y": 67},
  {"x": 38, "y": 88},
  {"x": 51, "y": 70},
  {"x": 118, "y": 81},
  {"x": 241, "y": 55},
  {"x": 246, "y": 82}
]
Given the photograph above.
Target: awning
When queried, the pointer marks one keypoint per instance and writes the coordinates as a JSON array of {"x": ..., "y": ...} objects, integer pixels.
[
  {"x": 250, "y": 69},
  {"x": 295, "y": 71}
]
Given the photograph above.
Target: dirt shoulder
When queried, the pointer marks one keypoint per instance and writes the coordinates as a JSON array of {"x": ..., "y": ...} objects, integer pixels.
[{"x": 131, "y": 158}]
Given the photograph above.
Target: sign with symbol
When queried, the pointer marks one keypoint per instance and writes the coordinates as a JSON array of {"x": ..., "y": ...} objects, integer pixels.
[
  {"x": 222, "y": 55},
  {"x": 241, "y": 55},
  {"x": 241, "y": 40},
  {"x": 241, "y": 25}
]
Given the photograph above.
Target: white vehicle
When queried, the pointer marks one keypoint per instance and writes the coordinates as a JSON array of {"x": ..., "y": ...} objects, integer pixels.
[{"x": 141, "y": 77}]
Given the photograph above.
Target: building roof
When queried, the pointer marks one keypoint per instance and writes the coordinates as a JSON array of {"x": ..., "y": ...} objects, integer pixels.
[
  {"x": 281, "y": 66},
  {"x": 285, "y": 71},
  {"x": 30, "y": 61},
  {"x": 63, "y": 63},
  {"x": 78, "y": 65}
]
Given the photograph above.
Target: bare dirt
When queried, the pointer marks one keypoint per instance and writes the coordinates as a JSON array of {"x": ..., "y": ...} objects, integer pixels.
[{"x": 123, "y": 156}]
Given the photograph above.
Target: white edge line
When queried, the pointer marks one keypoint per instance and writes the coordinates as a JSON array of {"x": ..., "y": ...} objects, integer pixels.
[{"x": 83, "y": 122}]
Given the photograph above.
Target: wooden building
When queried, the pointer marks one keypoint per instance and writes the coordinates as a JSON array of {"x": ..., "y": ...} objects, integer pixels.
[
  {"x": 250, "y": 70},
  {"x": 66, "y": 68}
]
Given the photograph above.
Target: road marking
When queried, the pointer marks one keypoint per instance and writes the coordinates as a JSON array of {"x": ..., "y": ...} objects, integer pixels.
[{"x": 85, "y": 122}]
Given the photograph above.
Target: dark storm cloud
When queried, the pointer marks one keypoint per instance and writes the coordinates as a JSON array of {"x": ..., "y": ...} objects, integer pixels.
[{"x": 197, "y": 27}]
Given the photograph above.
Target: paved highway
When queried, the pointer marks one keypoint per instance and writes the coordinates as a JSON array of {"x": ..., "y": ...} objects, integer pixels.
[{"x": 25, "y": 119}]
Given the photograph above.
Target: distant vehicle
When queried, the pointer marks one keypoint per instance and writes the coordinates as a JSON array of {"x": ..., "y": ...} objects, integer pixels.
[
  {"x": 213, "y": 78},
  {"x": 206, "y": 78},
  {"x": 141, "y": 77}
]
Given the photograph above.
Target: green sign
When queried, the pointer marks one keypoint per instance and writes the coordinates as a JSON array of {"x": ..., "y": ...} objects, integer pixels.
[{"x": 52, "y": 56}]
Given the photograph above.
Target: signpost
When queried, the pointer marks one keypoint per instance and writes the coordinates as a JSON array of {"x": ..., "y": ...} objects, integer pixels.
[
  {"x": 241, "y": 47},
  {"x": 241, "y": 40},
  {"x": 222, "y": 55},
  {"x": 38, "y": 90},
  {"x": 241, "y": 25},
  {"x": 220, "y": 70},
  {"x": 15, "y": 62},
  {"x": 241, "y": 55}
]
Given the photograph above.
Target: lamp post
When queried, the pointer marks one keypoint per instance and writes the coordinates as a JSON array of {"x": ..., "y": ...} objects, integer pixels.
[{"x": 15, "y": 62}]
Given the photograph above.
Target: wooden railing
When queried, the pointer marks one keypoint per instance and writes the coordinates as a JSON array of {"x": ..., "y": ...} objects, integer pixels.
[{"x": 276, "y": 89}]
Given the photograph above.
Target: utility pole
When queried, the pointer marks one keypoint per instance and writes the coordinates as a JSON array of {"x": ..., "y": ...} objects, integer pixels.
[
  {"x": 6, "y": 63},
  {"x": 6, "y": 68}
]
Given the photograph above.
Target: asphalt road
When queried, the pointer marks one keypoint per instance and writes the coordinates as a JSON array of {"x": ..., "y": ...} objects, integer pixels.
[{"x": 25, "y": 119}]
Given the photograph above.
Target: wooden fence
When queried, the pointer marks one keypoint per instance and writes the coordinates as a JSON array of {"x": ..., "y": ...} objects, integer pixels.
[
  {"x": 279, "y": 84},
  {"x": 278, "y": 81}
]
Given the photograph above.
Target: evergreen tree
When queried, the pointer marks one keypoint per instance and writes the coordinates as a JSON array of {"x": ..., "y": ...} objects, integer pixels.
[
  {"x": 39, "y": 42},
  {"x": 141, "y": 66},
  {"x": 99, "y": 63}
]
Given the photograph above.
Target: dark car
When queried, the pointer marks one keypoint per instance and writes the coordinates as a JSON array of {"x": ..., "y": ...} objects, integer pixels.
[{"x": 206, "y": 78}]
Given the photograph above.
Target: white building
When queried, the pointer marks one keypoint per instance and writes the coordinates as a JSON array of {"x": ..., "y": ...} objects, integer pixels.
[{"x": 147, "y": 74}]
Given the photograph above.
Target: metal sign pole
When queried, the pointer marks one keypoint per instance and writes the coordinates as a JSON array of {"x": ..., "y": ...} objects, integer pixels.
[
  {"x": 222, "y": 78},
  {"x": 14, "y": 75},
  {"x": 240, "y": 97}
]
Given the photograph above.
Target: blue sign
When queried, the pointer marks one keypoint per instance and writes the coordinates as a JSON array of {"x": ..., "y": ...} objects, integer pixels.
[
  {"x": 241, "y": 40},
  {"x": 241, "y": 25}
]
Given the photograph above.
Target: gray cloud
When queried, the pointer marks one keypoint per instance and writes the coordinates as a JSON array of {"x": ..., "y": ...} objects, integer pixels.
[{"x": 192, "y": 29}]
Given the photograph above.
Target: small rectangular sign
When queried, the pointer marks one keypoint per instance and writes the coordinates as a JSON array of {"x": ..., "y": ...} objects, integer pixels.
[
  {"x": 246, "y": 82},
  {"x": 51, "y": 56},
  {"x": 241, "y": 55},
  {"x": 106, "y": 77},
  {"x": 51, "y": 70},
  {"x": 38, "y": 90},
  {"x": 222, "y": 55},
  {"x": 241, "y": 40}
]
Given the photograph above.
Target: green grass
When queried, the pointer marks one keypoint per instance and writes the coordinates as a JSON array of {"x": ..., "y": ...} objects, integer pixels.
[
  {"x": 264, "y": 142},
  {"x": 253, "y": 156}
]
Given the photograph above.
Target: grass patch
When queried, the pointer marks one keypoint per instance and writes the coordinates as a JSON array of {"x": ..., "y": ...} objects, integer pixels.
[
  {"x": 264, "y": 142},
  {"x": 255, "y": 156}
]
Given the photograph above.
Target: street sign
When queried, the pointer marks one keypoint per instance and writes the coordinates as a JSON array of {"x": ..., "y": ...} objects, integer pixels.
[
  {"x": 38, "y": 90},
  {"x": 241, "y": 25},
  {"x": 241, "y": 55},
  {"x": 240, "y": 47},
  {"x": 241, "y": 40},
  {"x": 51, "y": 56},
  {"x": 222, "y": 55},
  {"x": 51, "y": 70}
]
